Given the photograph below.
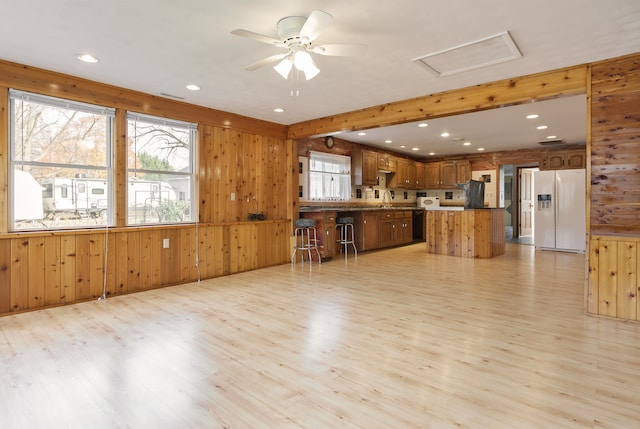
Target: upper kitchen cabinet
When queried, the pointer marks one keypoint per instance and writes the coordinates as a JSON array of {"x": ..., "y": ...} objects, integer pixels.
[
  {"x": 401, "y": 177},
  {"x": 421, "y": 176},
  {"x": 364, "y": 167},
  {"x": 387, "y": 163},
  {"x": 564, "y": 160},
  {"x": 446, "y": 174}
]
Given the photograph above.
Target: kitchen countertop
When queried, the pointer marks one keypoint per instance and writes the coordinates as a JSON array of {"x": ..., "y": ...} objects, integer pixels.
[{"x": 309, "y": 209}]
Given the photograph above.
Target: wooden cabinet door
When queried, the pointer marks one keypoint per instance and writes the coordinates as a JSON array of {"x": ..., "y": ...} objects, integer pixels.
[
  {"x": 407, "y": 227},
  {"x": 448, "y": 177},
  {"x": 410, "y": 182},
  {"x": 575, "y": 159},
  {"x": 387, "y": 229},
  {"x": 368, "y": 230},
  {"x": 432, "y": 175},
  {"x": 386, "y": 163},
  {"x": 420, "y": 176},
  {"x": 399, "y": 179},
  {"x": 463, "y": 171},
  {"x": 364, "y": 168},
  {"x": 369, "y": 167},
  {"x": 329, "y": 239},
  {"x": 555, "y": 161}
]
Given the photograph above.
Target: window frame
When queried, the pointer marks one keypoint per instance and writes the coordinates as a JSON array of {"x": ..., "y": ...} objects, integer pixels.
[
  {"x": 192, "y": 129},
  {"x": 14, "y": 163},
  {"x": 340, "y": 161}
]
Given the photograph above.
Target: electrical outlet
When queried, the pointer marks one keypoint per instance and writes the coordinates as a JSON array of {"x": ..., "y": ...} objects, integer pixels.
[
  {"x": 165, "y": 243},
  {"x": 233, "y": 196}
]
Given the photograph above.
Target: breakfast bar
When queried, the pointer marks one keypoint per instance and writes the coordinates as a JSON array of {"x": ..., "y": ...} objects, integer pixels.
[{"x": 469, "y": 233}]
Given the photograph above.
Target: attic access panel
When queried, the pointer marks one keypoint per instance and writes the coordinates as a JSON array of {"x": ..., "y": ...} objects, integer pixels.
[{"x": 469, "y": 56}]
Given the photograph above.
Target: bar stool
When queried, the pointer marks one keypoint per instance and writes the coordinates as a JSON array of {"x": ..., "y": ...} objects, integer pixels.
[
  {"x": 346, "y": 235},
  {"x": 305, "y": 239}
]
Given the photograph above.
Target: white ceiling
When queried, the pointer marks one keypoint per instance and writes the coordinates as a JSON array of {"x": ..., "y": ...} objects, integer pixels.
[{"x": 160, "y": 46}]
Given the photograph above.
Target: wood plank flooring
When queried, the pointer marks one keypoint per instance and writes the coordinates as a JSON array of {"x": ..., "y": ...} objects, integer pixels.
[{"x": 397, "y": 339}]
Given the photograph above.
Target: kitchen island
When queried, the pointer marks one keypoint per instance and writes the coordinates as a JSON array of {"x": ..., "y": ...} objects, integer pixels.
[{"x": 469, "y": 233}]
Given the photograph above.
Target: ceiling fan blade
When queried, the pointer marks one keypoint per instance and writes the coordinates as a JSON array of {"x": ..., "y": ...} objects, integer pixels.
[
  {"x": 340, "y": 50},
  {"x": 259, "y": 37},
  {"x": 265, "y": 61},
  {"x": 317, "y": 21}
]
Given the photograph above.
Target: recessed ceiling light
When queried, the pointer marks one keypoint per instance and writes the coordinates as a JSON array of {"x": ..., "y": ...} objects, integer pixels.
[
  {"x": 480, "y": 148},
  {"x": 388, "y": 141},
  {"x": 423, "y": 124},
  {"x": 445, "y": 134},
  {"x": 87, "y": 58},
  {"x": 278, "y": 110},
  {"x": 466, "y": 144},
  {"x": 193, "y": 87},
  {"x": 552, "y": 137},
  {"x": 432, "y": 153},
  {"x": 415, "y": 148},
  {"x": 533, "y": 116},
  {"x": 541, "y": 127},
  {"x": 403, "y": 146},
  {"x": 362, "y": 134}
]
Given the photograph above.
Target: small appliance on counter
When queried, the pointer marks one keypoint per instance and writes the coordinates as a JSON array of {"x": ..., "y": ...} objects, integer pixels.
[{"x": 428, "y": 202}]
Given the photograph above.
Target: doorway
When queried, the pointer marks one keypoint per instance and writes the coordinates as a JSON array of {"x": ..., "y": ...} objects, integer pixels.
[{"x": 517, "y": 199}]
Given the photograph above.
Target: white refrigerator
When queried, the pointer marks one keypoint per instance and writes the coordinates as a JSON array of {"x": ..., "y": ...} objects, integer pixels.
[{"x": 559, "y": 219}]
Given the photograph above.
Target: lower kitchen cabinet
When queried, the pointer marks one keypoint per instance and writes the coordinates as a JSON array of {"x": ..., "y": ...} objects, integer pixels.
[
  {"x": 373, "y": 229},
  {"x": 367, "y": 229},
  {"x": 326, "y": 231},
  {"x": 396, "y": 227}
]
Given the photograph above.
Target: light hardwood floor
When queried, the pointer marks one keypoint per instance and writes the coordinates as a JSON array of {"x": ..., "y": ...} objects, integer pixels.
[{"x": 396, "y": 339}]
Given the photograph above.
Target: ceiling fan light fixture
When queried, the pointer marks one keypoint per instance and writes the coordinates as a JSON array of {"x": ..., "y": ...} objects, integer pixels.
[
  {"x": 311, "y": 71},
  {"x": 284, "y": 68}
]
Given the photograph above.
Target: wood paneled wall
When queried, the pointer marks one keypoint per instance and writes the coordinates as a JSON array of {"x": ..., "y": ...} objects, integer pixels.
[
  {"x": 249, "y": 166},
  {"x": 614, "y": 277},
  {"x": 237, "y": 155},
  {"x": 615, "y": 147},
  {"x": 40, "y": 270},
  {"x": 614, "y": 261}
]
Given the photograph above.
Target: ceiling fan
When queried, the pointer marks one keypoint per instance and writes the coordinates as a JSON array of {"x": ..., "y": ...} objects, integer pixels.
[{"x": 297, "y": 34}]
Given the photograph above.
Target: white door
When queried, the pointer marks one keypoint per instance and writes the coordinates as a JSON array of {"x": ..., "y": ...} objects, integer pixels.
[{"x": 526, "y": 203}]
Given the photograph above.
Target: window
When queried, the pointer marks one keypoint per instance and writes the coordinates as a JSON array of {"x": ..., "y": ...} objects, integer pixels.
[
  {"x": 160, "y": 168},
  {"x": 329, "y": 177},
  {"x": 57, "y": 148}
]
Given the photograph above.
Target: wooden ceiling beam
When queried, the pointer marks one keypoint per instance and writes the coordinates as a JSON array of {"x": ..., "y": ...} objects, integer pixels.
[{"x": 540, "y": 86}]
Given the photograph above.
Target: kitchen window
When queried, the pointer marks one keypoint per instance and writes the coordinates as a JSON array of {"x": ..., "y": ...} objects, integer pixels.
[
  {"x": 161, "y": 173},
  {"x": 329, "y": 177},
  {"x": 59, "y": 148}
]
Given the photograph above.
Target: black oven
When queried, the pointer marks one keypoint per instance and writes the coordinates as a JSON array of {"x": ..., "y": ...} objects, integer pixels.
[{"x": 418, "y": 225}]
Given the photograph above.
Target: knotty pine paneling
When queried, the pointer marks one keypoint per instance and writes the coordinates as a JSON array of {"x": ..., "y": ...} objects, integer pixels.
[
  {"x": 614, "y": 268},
  {"x": 250, "y": 166},
  {"x": 615, "y": 151},
  {"x": 60, "y": 268}
]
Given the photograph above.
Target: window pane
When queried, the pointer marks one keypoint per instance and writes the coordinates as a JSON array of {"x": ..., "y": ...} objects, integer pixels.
[
  {"x": 54, "y": 200},
  {"x": 57, "y": 135},
  {"x": 155, "y": 147},
  {"x": 159, "y": 199}
]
